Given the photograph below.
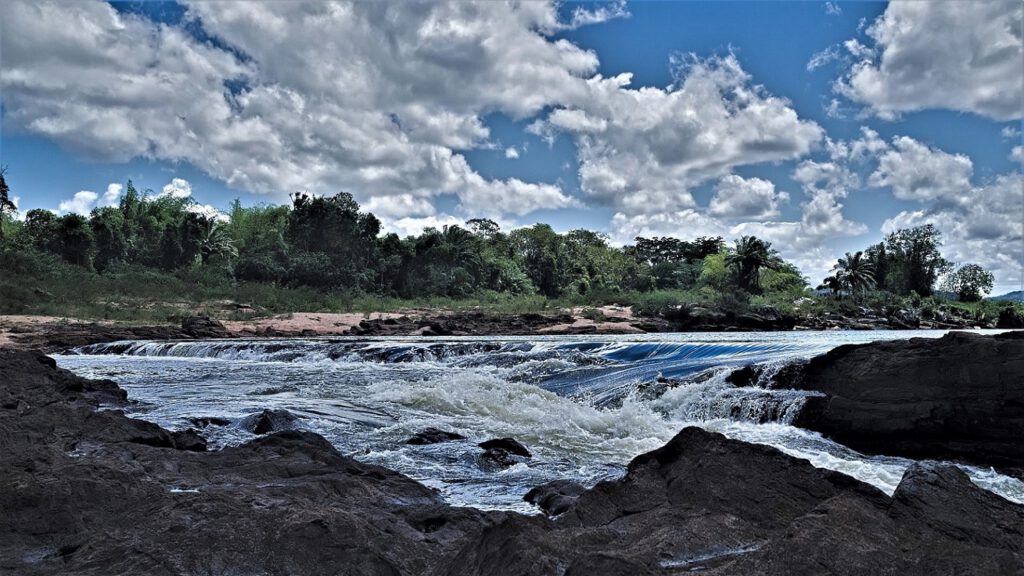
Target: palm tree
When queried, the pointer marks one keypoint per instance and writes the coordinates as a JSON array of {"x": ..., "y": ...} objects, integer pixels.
[
  {"x": 855, "y": 272},
  {"x": 215, "y": 241},
  {"x": 750, "y": 255},
  {"x": 832, "y": 284}
]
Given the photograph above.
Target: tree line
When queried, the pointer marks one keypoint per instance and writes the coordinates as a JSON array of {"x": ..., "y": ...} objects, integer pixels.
[{"x": 328, "y": 242}]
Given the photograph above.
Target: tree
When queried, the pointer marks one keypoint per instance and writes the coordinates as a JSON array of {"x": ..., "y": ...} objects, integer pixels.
[
  {"x": 832, "y": 284},
  {"x": 6, "y": 204},
  {"x": 215, "y": 241},
  {"x": 915, "y": 261},
  {"x": 749, "y": 256},
  {"x": 855, "y": 272},
  {"x": 970, "y": 282},
  {"x": 107, "y": 225},
  {"x": 76, "y": 241}
]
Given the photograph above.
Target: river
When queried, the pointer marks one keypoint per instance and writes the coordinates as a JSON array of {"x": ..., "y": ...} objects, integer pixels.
[{"x": 583, "y": 405}]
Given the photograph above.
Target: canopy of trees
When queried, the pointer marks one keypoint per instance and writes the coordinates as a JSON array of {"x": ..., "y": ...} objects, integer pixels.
[{"x": 329, "y": 243}]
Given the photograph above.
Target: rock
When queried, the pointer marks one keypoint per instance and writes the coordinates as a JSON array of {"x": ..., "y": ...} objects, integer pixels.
[
  {"x": 555, "y": 497},
  {"x": 502, "y": 453},
  {"x": 433, "y": 436},
  {"x": 959, "y": 397},
  {"x": 82, "y": 497},
  {"x": 510, "y": 445},
  {"x": 189, "y": 440},
  {"x": 266, "y": 421},
  {"x": 205, "y": 421},
  {"x": 201, "y": 326}
]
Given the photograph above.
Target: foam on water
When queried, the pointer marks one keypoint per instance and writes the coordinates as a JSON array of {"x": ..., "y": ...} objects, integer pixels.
[{"x": 585, "y": 406}]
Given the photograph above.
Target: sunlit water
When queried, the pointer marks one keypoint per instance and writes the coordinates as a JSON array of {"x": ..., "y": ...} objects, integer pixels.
[{"x": 585, "y": 406}]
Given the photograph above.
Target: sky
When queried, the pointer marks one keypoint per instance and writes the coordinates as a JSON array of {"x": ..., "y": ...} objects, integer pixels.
[{"x": 820, "y": 126}]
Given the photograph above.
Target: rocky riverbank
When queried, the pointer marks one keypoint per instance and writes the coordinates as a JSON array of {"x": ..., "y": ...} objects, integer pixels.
[
  {"x": 959, "y": 397},
  {"x": 89, "y": 491}
]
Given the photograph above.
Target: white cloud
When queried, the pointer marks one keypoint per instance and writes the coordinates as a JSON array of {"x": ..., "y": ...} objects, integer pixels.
[
  {"x": 84, "y": 201},
  {"x": 1010, "y": 132},
  {"x": 916, "y": 172},
  {"x": 963, "y": 56},
  {"x": 409, "y": 226},
  {"x": 832, "y": 8},
  {"x": 81, "y": 203},
  {"x": 394, "y": 93},
  {"x": 112, "y": 195},
  {"x": 819, "y": 59},
  {"x": 641, "y": 150},
  {"x": 610, "y": 11},
  {"x": 738, "y": 197},
  {"x": 511, "y": 153},
  {"x": 398, "y": 205},
  {"x": 177, "y": 188},
  {"x": 1017, "y": 154}
]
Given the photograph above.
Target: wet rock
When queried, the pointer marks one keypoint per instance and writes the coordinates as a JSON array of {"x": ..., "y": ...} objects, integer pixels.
[
  {"x": 959, "y": 397},
  {"x": 81, "y": 497},
  {"x": 204, "y": 421},
  {"x": 201, "y": 326},
  {"x": 433, "y": 436},
  {"x": 510, "y": 445},
  {"x": 555, "y": 497},
  {"x": 266, "y": 421},
  {"x": 502, "y": 453},
  {"x": 189, "y": 440}
]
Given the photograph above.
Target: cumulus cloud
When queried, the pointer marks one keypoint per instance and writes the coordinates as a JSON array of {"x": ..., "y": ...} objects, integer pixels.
[
  {"x": 963, "y": 56},
  {"x": 177, "y": 188},
  {"x": 832, "y": 8},
  {"x": 511, "y": 153},
  {"x": 1010, "y": 132},
  {"x": 641, "y": 150},
  {"x": 1017, "y": 154},
  {"x": 395, "y": 91},
  {"x": 84, "y": 201},
  {"x": 738, "y": 197},
  {"x": 915, "y": 171},
  {"x": 81, "y": 203}
]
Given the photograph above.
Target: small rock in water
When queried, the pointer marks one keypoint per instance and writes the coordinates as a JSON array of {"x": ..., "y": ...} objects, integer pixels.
[
  {"x": 555, "y": 497},
  {"x": 189, "y": 440},
  {"x": 502, "y": 453},
  {"x": 204, "y": 421},
  {"x": 510, "y": 445},
  {"x": 433, "y": 436},
  {"x": 269, "y": 421}
]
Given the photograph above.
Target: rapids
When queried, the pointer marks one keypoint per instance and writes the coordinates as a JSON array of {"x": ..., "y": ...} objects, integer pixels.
[{"x": 584, "y": 405}]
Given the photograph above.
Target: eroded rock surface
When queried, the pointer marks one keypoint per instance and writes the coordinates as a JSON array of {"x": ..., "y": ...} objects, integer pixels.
[
  {"x": 959, "y": 397},
  {"x": 94, "y": 492}
]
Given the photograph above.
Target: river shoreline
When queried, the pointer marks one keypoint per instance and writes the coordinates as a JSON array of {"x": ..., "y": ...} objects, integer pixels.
[
  {"x": 53, "y": 334},
  {"x": 95, "y": 492}
]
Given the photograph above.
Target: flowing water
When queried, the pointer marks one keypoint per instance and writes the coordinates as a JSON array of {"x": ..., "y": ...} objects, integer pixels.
[{"x": 584, "y": 405}]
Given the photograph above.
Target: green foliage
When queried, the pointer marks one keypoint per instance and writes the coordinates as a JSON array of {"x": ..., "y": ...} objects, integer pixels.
[
  {"x": 750, "y": 256},
  {"x": 970, "y": 282}
]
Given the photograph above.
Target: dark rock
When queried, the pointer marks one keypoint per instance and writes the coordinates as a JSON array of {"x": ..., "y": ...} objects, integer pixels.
[
  {"x": 510, "y": 445},
  {"x": 958, "y": 397},
  {"x": 205, "y": 421},
  {"x": 555, "y": 497},
  {"x": 433, "y": 436},
  {"x": 81, "y": 496},
  {"x": 189, "y": 440},
  {"x": 203, "y": 327},
  {"x": 266, "y": 421}
]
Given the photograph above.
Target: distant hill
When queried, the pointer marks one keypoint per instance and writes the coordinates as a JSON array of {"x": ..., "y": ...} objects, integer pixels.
[{"x": 1015, "y": 296}]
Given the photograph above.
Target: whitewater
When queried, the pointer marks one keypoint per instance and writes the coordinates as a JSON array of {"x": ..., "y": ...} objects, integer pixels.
[{"x": 584, "y": 405}]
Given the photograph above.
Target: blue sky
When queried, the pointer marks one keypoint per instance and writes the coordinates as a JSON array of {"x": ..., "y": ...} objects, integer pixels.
[{"x": 206, "y": 104}]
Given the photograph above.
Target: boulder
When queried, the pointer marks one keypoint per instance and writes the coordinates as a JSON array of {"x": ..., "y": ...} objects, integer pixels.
[
  {"x": 189, "y": 440},
  {"x": 433, "y": 436},
  {"x": 555, "y": 497},
  {"x": 502, "y": 453},
  {"x": 266, "y": 421},
  {"x": 201, "y": 326},
  {"x": 959, "y": 397}
]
